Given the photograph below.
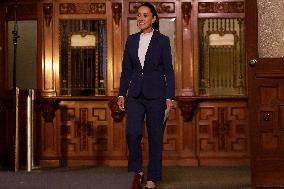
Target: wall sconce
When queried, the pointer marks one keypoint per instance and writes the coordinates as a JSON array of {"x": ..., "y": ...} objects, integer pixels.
[{"x": 47, "y": 9}]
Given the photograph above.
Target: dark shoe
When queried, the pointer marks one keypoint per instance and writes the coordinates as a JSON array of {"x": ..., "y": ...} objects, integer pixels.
[{"x": 137, "y": 181}]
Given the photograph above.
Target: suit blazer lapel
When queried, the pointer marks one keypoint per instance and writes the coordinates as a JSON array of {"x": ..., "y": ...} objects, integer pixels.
[
  {"x": 136, "y": 46},
  {"x": 152, "y": 44}
]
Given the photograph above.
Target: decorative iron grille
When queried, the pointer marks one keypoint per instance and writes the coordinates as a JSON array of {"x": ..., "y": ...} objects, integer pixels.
[
  {"x": 82, "y": 57},
  {"x": 221, "y": 56}
]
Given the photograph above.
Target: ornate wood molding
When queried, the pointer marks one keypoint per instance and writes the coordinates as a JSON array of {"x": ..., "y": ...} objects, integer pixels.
[
  {"x": 82, "y": 8},
  {"x": 117, "y": 11},
  {"x": 116, "y": 113},
  {"x": 187, "y": 107},
  {"x": 221, "y": 128},
  {"x": 47, "y": 9},
  {"x": 221, "y": 7},
  {"x": 186, "y": 10},
  {"x": 189, "y": 104},
  {"x": 163, "y": 7},
  {"x": 48, "y": 108}
]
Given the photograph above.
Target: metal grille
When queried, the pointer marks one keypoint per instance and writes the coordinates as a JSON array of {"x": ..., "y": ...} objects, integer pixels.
[
  {"x": 83, "y": 68},
  {"x": 221, "y": 52}
]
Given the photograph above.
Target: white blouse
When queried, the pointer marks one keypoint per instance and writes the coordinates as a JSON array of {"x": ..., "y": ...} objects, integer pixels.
[{"x": 144, "y": 42}]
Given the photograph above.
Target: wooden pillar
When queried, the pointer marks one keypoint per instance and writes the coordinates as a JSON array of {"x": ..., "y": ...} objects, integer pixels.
[{"x": 49, "y": 66}]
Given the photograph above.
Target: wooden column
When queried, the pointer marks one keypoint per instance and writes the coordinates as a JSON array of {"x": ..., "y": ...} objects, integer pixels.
[
  {"x": 117, "y": 46},
  {"x": 49, "y": 66},
  {"x": 187, "y": 74}
]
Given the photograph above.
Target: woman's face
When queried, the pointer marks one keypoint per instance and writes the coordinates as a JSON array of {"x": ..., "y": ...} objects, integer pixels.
[{"x": 145, "y": 19}]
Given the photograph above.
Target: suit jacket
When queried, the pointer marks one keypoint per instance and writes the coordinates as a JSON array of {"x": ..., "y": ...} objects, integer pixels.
[{"x": 156, "y": 79}]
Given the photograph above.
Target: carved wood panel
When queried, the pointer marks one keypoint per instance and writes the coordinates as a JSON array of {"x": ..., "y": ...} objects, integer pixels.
[
  {"x": 267, "y": 133},
  {"x": 82, "y": 8},
  {"x": 162, "y": 7},
  {"x": 83, "y": 132},
  {"x": 172, "y": 141},
  {"x": 271, "y": 131},
  {"x": 222, "y": 130},
  {"x": 221, "y": 7}
]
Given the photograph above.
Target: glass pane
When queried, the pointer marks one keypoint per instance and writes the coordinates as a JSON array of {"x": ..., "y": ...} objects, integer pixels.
[
  {"x": 221, "y": 56},
  {"x": 167, "y": 27},
  {"x": 26, "y": 67},
  {"x": 270, "y": 31},
  {"x": 83, "y": 57}
]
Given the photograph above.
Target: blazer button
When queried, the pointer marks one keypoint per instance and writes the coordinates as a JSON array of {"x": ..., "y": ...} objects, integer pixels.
[{"x": 142, "y": 73}]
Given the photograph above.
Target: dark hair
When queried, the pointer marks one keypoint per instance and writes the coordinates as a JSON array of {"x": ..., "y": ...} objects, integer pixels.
[{"x": 153, "y": 10}]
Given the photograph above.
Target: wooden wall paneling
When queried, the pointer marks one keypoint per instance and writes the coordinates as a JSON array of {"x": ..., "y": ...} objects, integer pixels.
[
  {"x": 115, "y": 17},
  {"x": 172, "y": 139},
  {"x": 223, "y": 133},
  {"x": 55, "y": 47},
  {"x": 179, "y": 141},
  {"x": 86, "y": 135},
  {"x": 217, "y": 9},
  {"x": 115, "y": 51},
  {"x": 50, "y": 141},
  {"x": 48, "y": 64},
  {"x": 187, "y": 46},
  {"x": 82, "y": 9},
  {"x": 50, "y": 148},
  {"x": 188, "y": 155},
  {"x": 179, "y": 45},
  {"x": 83, "y": 132},
  {"x": 268, "y": 131},
  {"x": 40, "y": 37},
  {"x": 195, "y": 53}
]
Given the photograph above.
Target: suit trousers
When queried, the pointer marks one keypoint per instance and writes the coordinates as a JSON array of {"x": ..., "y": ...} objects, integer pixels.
[{"x": 153, "y": 110}]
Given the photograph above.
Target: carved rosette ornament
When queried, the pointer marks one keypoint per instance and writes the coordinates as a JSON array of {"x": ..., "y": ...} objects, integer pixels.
[
  {"x": 186, "y": 10},
  {"x": 47, "y": 10},
  {"x": 221, "y": 7},
  {"x": 116, "y": 10},
  {"x": 165, "y": 7},
  {"x": 116, "y": 113}
]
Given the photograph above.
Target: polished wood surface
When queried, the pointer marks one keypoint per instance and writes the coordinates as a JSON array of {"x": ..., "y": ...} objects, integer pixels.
[
  {"x": 265, "y": 102},
  {"x": 82, "y": 131}
]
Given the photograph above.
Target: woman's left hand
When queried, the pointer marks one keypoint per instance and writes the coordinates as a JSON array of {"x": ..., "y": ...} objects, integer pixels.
[{"x": 170, "y": 103}]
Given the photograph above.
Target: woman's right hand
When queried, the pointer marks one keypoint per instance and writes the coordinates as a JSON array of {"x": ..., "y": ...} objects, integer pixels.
[{"x": 120, "y": 103}]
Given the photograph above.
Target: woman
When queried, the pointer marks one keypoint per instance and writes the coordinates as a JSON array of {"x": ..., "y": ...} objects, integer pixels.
[{"x": 147, "y": 78}]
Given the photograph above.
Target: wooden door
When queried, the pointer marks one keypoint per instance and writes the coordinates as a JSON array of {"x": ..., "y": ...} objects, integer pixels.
[{"x": 265, "y": 98}]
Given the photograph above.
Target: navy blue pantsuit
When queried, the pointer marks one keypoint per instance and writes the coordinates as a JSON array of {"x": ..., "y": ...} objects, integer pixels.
[{"x": 147, "y": 89}]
